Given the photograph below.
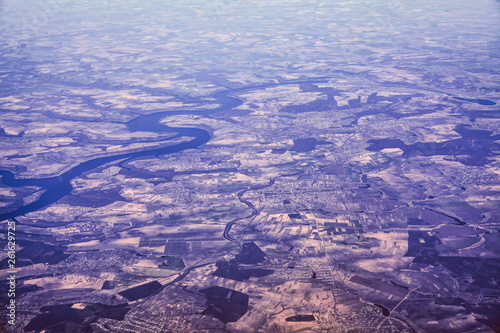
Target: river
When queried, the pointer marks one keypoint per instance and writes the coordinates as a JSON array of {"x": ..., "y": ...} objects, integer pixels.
[{"x": 58, "y": 186}]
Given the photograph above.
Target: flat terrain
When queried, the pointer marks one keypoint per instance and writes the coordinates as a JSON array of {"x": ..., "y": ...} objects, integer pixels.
[{"x": 251, "y": 166}]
